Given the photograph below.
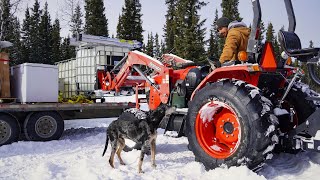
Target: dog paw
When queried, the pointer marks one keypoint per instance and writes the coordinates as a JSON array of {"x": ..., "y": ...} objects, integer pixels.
[
  {"x": 154, "y": 166},
  {"x": 122, "y": 163},
  {"x": 141, "y": 172}
]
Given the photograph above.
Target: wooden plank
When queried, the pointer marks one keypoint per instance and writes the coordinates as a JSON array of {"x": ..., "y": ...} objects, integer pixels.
[
  {"x": 8, "y": 100},
  {"x": 4, "y": 75}
]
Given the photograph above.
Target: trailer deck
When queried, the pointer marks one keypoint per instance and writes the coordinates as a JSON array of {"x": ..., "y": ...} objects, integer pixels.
[
  {"x": 45, "y": 121},
  {"x": 16, "y": 107}
]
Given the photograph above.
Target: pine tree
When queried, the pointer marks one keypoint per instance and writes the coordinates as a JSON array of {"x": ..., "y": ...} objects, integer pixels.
[
  {"x": 189, "y": 41},
  {"x": 270, "y": 33},
  {"x": 15, "y": 50},
  {"x": 163, "y": 48},
  {"x": 276, "y": 47},
  {"x": 35, "y": 42},
  {"x": 270, "y": 37},
  {"x": 150, "y": 45},
  {"x": 26, "y": 33},
  {"x": 5, "y": 19},
  {"x": 56, "y": 42},
  {"x": 119, "y": 27},
  {"x": 67, "y": 52},
  {"x": 96, "y": 21},
  {"x": 170, "y": 26},
  {"x": 157, "y": 50},
  {"x": 230, "y": 9},
  {"x": 130, "y": 24},
  {"x": 213, "y": 50},
  {"x": 138, "y": 21},
  {"x": 76, "y": 21},
  {"x": 262, "y": 31},
  {"x": 10, "y": 31},
  {"x": 45, "y": 36}
]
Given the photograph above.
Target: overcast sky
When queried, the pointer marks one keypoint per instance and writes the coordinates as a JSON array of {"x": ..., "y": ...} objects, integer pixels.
[{"x": 307, "y": 15}]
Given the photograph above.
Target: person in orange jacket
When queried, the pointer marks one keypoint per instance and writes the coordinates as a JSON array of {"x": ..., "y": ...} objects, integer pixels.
[{"x": 237, "y": 36}]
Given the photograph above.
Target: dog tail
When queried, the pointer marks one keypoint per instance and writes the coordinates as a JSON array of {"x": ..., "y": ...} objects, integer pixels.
[{"x": 106, "y": 146}]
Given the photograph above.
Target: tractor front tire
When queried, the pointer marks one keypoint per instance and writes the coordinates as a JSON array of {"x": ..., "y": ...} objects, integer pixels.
[{"x": 230, "y": 123}]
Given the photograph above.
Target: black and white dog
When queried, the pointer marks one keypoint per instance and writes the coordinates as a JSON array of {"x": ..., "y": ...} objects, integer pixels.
[{"x": 142, "y": 131}]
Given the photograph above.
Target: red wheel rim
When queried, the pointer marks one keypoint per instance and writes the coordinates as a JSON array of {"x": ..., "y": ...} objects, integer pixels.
[{"x": 218, "y": 130}]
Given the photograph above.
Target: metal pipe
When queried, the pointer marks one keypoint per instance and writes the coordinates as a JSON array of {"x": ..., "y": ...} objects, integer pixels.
[
  {"x": 291, "y": 16},
  {"x": 297, "y": 75},
  {"x": 144, "y": 76},
  {"x": 120, "y": 63},
  {"x": 252, "y": 43}
]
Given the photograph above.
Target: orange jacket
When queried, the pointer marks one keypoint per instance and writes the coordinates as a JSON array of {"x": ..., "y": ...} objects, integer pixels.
[{"x": 236, "y": 41}]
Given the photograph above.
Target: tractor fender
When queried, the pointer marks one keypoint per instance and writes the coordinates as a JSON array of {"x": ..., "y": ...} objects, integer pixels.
[{"x": 248, "y": 73}]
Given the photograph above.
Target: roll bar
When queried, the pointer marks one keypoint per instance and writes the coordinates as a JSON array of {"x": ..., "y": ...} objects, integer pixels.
[
  {"x": 255, "y": 28},
  {"x": 253, "y": 42},
  {"x": 291, "y": 16}
]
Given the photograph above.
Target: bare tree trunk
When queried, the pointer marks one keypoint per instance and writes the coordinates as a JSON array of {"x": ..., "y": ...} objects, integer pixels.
[{"x": 67, "y": 8}]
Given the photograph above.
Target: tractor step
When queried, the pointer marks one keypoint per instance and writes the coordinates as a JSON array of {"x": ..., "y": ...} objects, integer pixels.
[
  {"x": 307, "y": 144},
  {"x": 176, "y": 123},
  {"x": 302, "y": 137},
  {"x": 310, "y": 126},
  {"x": 313, "y": 98}
]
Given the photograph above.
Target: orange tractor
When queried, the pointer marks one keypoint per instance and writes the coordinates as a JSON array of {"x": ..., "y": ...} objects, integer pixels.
[{"x": 235, "y": 115}]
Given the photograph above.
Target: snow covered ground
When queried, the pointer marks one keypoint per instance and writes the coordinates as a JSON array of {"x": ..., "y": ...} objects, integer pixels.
[{"x": 77, "y": 156}]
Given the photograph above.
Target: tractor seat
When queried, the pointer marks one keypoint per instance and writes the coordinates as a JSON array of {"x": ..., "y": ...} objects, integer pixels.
[{"x": 291, "y": 44}]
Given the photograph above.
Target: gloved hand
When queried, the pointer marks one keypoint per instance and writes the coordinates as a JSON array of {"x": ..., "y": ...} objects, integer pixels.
[
  {"x": 229, "y": 63},
  {"x": 214, "y": 64}
]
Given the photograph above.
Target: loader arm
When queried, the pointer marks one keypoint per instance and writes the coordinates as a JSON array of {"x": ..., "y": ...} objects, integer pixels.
[
  {"x": 132, "y": 61},
  {"x": 170, "y": 59}
]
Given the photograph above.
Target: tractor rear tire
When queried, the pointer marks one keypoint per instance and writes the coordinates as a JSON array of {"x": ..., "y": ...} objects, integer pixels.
[{"x": 238, "y": 131}]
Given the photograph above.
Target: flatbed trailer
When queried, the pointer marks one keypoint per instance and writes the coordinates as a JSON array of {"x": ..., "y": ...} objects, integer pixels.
[{"x": 45, "y": 121}]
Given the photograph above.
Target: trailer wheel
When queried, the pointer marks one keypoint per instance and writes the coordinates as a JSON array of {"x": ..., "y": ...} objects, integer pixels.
[
  {"x": 9, "y": 129},
  {"x": 230, "y": 123},
  {"x": 43, "y": 126}
]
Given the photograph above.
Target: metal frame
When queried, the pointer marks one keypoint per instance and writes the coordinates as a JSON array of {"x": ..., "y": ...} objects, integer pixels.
[
  {"x": 62, "y": 107},
  {"x": 253, "y": 41},
  {"x": 291, "y": 15}
]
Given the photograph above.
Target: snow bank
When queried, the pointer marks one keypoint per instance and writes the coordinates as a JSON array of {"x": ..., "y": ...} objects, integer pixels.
[{"x": 77, "y": 156}]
